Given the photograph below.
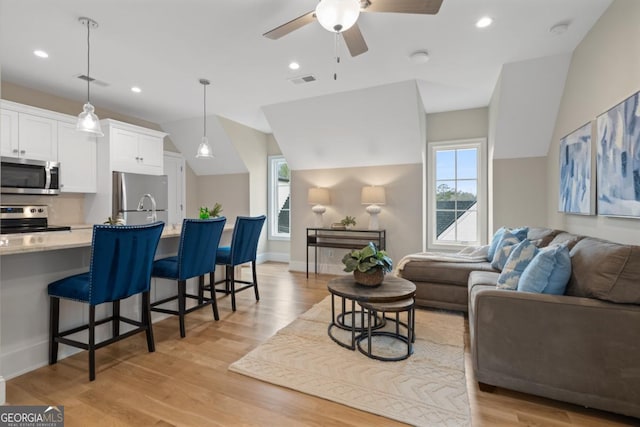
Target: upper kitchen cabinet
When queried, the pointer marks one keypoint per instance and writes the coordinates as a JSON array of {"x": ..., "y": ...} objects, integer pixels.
[
  {"x": 133, "y": 148},
  {"x": 28, "y": 132},
  {"x": 77, "y": 157}
]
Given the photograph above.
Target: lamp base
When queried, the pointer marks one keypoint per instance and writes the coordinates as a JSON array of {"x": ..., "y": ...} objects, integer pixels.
[
  {"x": 318, "y": 210},
  {"x": 373, "y": 211}
]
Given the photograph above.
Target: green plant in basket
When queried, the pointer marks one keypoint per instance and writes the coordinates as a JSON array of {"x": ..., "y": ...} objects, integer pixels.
[{"x": 367, "y": 260}]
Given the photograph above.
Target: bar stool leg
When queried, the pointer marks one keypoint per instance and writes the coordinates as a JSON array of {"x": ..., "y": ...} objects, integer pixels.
[
  {"x": 255, "y": 280},
  {"x": 54, "y": 325},
  {"x": 214, "y": 300},
  {"x": 115, "y": 323},
  {"x": 146, "y": 321},
  {"x": 92, "y": 342},
  {"x": 182, "y": 290},
  {"x": 200, "y": 290},
  {"x": 233, "y": 287}
]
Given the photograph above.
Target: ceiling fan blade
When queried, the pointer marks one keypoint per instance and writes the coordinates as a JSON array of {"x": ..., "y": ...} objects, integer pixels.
[
  {"x": 290, "y": 26},
  {"x": 354, "y": 40},
  {"x": 427, "y": 7}
]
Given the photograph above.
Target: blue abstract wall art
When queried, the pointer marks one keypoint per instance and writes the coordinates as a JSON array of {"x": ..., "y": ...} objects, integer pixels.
[
  {"x": 575, "y": 191},
  {"x": 618, "y": 160}
]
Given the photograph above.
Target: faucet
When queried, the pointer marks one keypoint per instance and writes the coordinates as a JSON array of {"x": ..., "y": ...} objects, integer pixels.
[{"x": 154, "y": 216}]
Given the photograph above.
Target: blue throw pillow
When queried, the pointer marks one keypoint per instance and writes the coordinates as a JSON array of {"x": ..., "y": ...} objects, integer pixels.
[
  {"x": 521, "y": 233},
  {"x": 521, "y": 255},
  {"x": 503, "y": 250},
  {"x": 548, "y": 272}
]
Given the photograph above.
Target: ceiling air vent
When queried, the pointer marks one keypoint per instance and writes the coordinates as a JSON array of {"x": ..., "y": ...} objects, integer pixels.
[
  {"x": 92, "y": 80},
  {"x": 303, "y": 79}
]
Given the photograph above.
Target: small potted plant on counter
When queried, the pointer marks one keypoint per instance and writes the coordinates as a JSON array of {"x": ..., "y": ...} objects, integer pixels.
[
  {"x": 368, "y": 264},
  {"x": 349, "y": 222},
  {"x": 214, "y": 212}
]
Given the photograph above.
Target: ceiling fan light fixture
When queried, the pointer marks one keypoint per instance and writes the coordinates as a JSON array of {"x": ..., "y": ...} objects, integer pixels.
[{"x": 338, "y": 15}]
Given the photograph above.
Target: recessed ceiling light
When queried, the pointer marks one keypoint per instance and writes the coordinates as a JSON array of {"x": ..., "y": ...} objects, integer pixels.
[
  {"x": 419, "y": 57},
  {"x": 40, "y": 53},
  {"x": 294, "y": 65},
  {"x": 136, "y": 89},
  {"x": 484, "y": 22}
]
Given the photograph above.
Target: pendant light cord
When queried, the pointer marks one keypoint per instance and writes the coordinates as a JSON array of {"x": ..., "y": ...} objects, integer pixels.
[
  {"x": 88, "y": 62},
  {"x": 337, "y": 52},
  {"x": 205, "y": 109}
]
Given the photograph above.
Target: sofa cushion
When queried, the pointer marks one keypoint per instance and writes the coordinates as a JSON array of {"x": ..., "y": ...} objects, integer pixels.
[
  {"x": 542, "y": 236},
  {"x": 521, "y": 233},
  {"x": 605, "y": 270},
  {"x": 451, "y": 273},
  {"x": 568, "y": 238},
  {"x": 521, "y": 255},
  {"x": 507, "y": 242},
  {"x": 548, "y": 272},
  {"x": 479, "y": 280}
]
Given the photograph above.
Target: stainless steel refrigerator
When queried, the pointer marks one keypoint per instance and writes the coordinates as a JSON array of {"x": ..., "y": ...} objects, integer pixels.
[{"x": 140, "y": 199}]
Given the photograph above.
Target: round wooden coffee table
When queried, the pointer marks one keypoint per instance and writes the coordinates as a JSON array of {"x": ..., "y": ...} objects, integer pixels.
[{"x": 344, "y": 287}]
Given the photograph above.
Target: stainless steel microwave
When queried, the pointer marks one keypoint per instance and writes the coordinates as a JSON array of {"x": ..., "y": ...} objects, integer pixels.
[{"x": 23, "y": 176}]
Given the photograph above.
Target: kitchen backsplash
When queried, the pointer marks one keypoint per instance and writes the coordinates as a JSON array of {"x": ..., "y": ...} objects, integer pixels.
[{"x": 64, "y": 209}]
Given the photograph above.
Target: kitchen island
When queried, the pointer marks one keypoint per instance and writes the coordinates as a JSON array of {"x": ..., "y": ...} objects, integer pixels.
[{"x": 28, "y": 263}]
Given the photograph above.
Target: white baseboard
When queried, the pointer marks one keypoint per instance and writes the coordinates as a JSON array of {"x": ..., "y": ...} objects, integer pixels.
[
  {"x": 322, "y": 268},
  {"x": 272, "y": 256}
]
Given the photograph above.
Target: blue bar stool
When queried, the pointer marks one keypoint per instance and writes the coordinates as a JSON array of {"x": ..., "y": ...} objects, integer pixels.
[
  {"x": 243, "y": 249},
  {"x": 196, "y": 257},
  {"x": 120, "y": 266}
]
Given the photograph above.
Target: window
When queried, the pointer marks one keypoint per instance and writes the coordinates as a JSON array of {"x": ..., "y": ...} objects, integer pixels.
[
  {"x": 456, "y": 193},
  {"x": 279, "y": 198}
]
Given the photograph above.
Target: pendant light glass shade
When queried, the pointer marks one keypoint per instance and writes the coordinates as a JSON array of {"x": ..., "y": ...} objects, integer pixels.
[
  {"x": 87, "y": 120},
  {"x": 204, "y": 149},
  {"x": 338, "y": 15}
]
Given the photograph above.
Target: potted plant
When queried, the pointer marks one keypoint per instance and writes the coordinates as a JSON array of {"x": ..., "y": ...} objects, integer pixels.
[
  {"x": 349, "y": 222},
  {"x": 368, "y": 265},
  {"x": 206, "y": 213}
]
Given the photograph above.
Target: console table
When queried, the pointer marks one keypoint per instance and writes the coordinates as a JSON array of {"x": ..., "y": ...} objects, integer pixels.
[{"x": 341, "y": 239}]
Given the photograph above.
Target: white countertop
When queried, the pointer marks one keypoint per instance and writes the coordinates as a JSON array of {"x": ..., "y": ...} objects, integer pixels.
[{"x": 77, "y": 237}]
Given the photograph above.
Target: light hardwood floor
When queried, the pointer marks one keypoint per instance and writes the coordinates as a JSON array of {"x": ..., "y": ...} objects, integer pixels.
[{"x": 186, "y": 381}]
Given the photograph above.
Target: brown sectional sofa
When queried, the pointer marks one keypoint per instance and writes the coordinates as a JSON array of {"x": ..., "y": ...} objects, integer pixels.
[{"x": 582, "y": 347}]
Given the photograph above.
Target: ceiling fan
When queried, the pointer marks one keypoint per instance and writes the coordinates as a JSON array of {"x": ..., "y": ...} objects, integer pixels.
[{"x": 340, "y": 16}]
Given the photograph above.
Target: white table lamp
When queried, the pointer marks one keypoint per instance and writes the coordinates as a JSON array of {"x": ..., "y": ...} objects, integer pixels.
[
  {"x": 318, "y": 197},
  {"x": 374, "y": 197}
]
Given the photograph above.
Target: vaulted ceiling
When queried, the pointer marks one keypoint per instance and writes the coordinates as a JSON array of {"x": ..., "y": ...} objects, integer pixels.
[{"x": 165, "y": 46}]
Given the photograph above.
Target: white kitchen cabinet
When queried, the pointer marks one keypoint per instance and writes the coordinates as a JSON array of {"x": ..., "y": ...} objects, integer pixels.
[
  {"x": 9, "y": 133},
  {"x": 77, "y": 157},
  {"x": 27, "y": 135},
  {"x": 133, "y": 148},
  {"x": 174, "y": 165}
]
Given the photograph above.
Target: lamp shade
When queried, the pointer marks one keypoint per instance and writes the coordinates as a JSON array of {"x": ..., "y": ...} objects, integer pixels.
[
  {"x": 318, "y": 196},
  {"x": 338, "y": 15},
  {"x": 373, "y": 196}
]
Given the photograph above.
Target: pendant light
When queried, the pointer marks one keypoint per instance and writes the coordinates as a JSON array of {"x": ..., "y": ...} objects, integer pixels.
[
  {"x": 87, "y": 120},
  {"x": 204, "y": 149}
]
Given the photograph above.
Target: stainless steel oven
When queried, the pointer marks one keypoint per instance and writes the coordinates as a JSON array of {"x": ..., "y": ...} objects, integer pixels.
[{"x": 23, "y": 176}]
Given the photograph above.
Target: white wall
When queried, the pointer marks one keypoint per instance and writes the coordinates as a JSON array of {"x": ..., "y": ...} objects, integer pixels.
[
  {"x": 401, "y": 216},
  {"x": 604, "y": 70}
]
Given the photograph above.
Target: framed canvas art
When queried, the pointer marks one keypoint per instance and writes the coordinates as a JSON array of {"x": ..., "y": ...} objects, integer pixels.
[
  {"x": 618, "y": 159},
  {"x": 576, "y": 189}
]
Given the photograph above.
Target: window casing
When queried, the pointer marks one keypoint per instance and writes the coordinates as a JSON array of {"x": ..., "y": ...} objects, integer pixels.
[
  {"x": 456, "y": 191},
  {"x": 279, "y": 193}
]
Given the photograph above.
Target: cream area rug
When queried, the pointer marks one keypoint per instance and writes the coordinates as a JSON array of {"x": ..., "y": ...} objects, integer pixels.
[{"x": 427, "y": 389}]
